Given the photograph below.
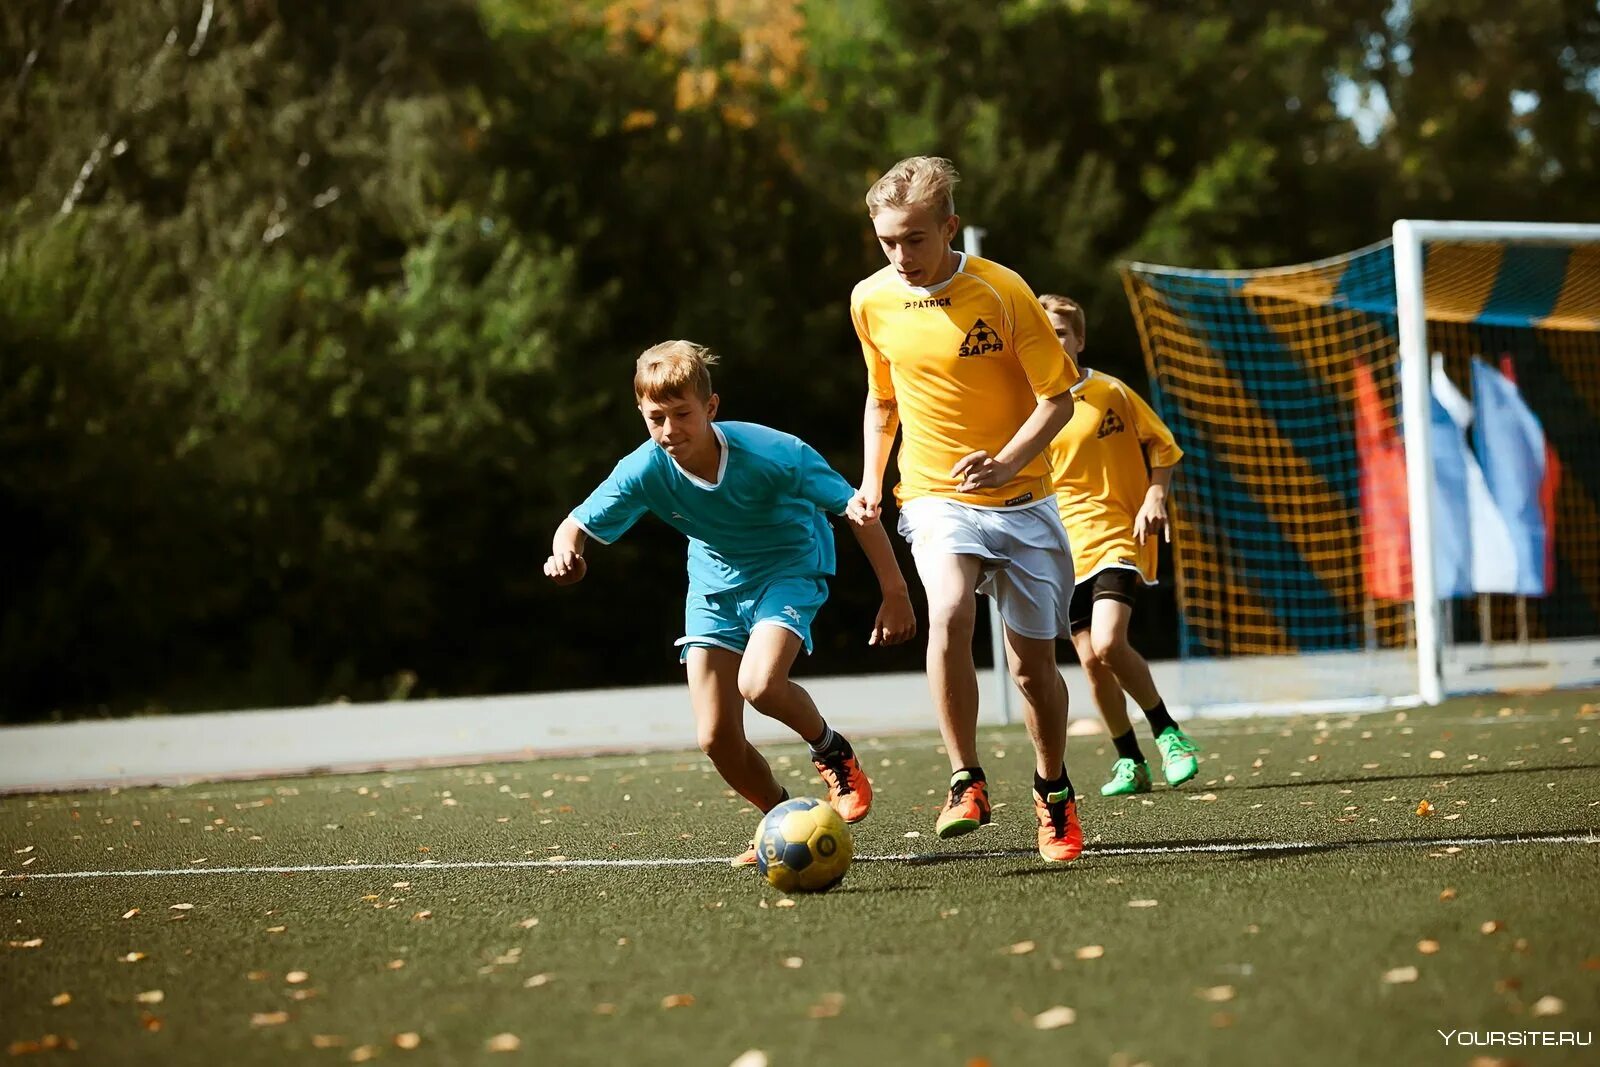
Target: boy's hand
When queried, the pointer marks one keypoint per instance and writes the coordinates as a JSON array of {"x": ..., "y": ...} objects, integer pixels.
[
  {"x": 865, "y": 507},
  {"x": 1152, "y": 518},
  {"x": 896, "y": 622},
  {"x": 979, "y": 470},
  {"x": 565, "y": 568}
]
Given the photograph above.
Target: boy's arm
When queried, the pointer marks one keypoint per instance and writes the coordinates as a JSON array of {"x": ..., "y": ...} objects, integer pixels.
[
  {"x": 879, "y": 424},
  {"x": 1152, "y": 517},
  {"x": 896, "y": 621},
  {"x": 566, "y": 565},
  {"x": 979, "y": 470}
]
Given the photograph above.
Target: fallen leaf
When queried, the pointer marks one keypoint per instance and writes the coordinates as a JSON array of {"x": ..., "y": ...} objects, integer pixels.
[
  {"x": 1493, "y": 926},
  {"x": 1548, "y": 1006},
  {"x": 1054, "y": 1018},
  {"x": 269, "y": 1018},
  {"x": 1141, "y": 903},
  {"x": 794, "y": 963},
  {"x": 327, "y": 1040},
  {"x": 1447, "y": 893},
  {"x": 130, "y": 913},
  {"x": 181, "y": 907},
  {"x": 150, "y": 996},
  {"x": 276, "y": 929},
  {"x": 132, "y": 957},
  {"x": 363, "y": 1053},
  {"x": 408, "y": 1040},
  {"x": 32, "y": 942},
  {"x": 1217, "y": 994},
  {"x": 529, "y": 923},
  {"x": 1507, "y": 985},
  {"x": 400, "y": 885},
  {"x": 150, "y": 1022},
  {"x": 1436, "y": 754},
  {"x": 537, "y": 980},
  {"x": 1021, "y": 948},
  {"x": 1399, "y": 975},
  {"x": 605, "y": 1009},
  {"x": 395, "y": 965},
  {"x": 1090, "y": 952},
  {"x": 829, "y": 1006},
  {"x": 1424, "y": 808},
  {"x": 61, "y": 1000},
  {"x": 1428, "y": 947},
  {"x": 753, "y": 1058},
  {"x": 503, "y": 1043},
  {"x": 677, "y": 1000},
  {"x": 296, "y": 977},
  {"x": 423, "y": 915}
]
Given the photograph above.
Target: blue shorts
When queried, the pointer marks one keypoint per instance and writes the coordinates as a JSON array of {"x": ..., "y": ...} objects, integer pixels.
[{"x": 724, "y": 620}]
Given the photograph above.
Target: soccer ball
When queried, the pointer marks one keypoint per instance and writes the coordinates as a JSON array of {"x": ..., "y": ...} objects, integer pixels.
[{"x": 803, "y": 846}]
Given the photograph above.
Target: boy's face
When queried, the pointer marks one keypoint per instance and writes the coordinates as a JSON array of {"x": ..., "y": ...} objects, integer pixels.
[
  {"x": 680, "y": 424},
  {"x": 1066, "y": 334},
  {"x": 916, "y": 241}
]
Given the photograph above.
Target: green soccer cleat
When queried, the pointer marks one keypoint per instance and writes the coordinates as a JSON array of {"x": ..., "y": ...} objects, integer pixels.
[
  {"x": 1127, "y": 778},
  {"x": 1177, "y": 755}
]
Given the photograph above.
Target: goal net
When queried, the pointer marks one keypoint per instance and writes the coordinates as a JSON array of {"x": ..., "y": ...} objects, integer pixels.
[{"x": 1442, "y": 388}]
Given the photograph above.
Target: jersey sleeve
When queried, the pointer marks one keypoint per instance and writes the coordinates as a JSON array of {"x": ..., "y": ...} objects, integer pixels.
[
  {"x": 880, "y": 385},
  {"x": 818, "y": 482},
  {"x": 1050, "y": 370},
  {"x": 1161, "y": 448},
  {"x": 615, "y": 505}
]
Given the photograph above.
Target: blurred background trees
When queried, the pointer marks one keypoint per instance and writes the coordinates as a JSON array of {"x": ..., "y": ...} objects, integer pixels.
[{"x": 314, "y": 321}]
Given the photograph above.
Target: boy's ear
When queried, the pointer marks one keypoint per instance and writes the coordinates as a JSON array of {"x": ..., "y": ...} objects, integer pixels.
[
  {"x": 711, "y": 406},
  {"x": 952, "y": 226}
]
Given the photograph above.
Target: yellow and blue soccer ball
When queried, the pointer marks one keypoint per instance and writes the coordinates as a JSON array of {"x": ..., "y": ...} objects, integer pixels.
[{"x": 803, "y": 846}]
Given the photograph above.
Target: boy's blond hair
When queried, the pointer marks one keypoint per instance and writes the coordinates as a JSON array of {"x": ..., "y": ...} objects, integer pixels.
[
  {"x": 920, "y": 181},
  {"x": 673, "y": 369},
  {"x": 1067, "y": 308}
]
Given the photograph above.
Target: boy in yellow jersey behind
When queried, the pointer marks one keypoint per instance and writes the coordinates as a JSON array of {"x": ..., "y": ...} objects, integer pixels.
[
  {"x": 960, "y": 356},
  {"x": 1112, "y": 467}
]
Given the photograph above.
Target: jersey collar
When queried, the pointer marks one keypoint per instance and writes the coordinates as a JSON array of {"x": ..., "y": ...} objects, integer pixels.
[
  {"x": 1081, "y": 386},
  {"x": 722, "y": 464},
  {"x": 920, "y": 290}
]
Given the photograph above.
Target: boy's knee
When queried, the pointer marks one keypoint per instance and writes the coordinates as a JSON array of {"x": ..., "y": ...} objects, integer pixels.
[
  {"x": 1104, "y": 646},
  {"x": 955, "y": 618},
  {"x": 758, "y": 688},
  {"x": 720, "y": 742}
]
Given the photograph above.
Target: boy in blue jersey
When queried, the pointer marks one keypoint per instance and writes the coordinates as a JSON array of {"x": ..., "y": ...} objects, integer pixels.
[{"x": 754, "y": 503}]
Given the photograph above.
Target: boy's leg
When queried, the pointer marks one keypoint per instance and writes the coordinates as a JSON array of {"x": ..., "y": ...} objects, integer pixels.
[
  {"x": 1032, "y": 661},
  {"x": 1130, "y": 773},
  {"x": 764, "y": 681},
  {"x": 1109, "y": 643},
  {"x": 719, "y": 725},
  {"x": 951, "y": 581}
]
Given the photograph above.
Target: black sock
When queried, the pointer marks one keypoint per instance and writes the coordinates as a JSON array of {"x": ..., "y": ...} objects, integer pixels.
[
  {"x": 1128, "y": 746},
  {"x": 783, "y": 796},
  {"x": 975, "y": 773},
  {"x": 1158, "y": 718},
  {"x": 830, "y": 741},
  {"x": 1045, "y": 788}
]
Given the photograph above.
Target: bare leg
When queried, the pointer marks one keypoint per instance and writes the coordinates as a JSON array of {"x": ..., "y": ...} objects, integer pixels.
[
  {"x": 764, "y": 681},
  {"x": 1109, "y": 643},
  {"x": 1108, "y": 695},
  {"x": 1044, "y": 696},
  {"x": 951, "y": 582},
  {"x": 719, "y": 723}
]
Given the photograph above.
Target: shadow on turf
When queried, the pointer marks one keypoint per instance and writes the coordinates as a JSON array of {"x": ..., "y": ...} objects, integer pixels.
[{"x": 1298, "y": 783}]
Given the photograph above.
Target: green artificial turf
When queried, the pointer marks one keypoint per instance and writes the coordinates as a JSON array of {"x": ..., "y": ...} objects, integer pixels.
[{"x": 1272, "y": 949}]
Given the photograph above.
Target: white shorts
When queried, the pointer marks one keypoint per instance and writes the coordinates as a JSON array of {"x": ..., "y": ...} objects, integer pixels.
[{"x": 1027, "y": 561}]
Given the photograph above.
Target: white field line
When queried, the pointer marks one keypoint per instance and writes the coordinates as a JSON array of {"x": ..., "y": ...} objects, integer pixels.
[{"x": 906, "y": 857}]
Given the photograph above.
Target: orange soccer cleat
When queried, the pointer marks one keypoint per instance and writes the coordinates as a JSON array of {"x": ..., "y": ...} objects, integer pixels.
[
  {"x": 849, "y": 791},
  {"x": 968, "y": 806},
  {"x": 1060, "y": 836}
]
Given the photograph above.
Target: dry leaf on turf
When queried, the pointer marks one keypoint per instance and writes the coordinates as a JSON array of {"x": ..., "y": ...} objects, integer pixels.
[
  {"x": 605, "y": 1009},
  {"x": 1021, "y": 948},
  {"x": 269, "y": 1018},
  {"x": 1054, "y": 1018},
  {"x": 150, "y": 996},
  {"x": 786, "y": 902},
  {"x": 296, "y": 977},
  {"x": 537, "y": 980},
  {"x": 363, "y": 1053},
  {"x": 61, "y": 1000},
  {"x": 150, "y": 1022},
  {"x": 395, "y": 965},
  {"x": 1090, "y": 952},
  {"x": 276, "y": 929},
  {"x": 503, "y": 1043},
  {"x": 794, "y": 963},
  {"x": 423, "y": 915},
  {"x": 529, "y": 923},
  {"x": 1141, "y": 903},
  {"x": 829, "y": 1006},
  {"x": 132, "y": 957},
  {"x": 181, "y": 907},
  {"x": 1447, "y": 893},
  {"x": 753, "y": 1058},
  {"x": 408, "y": 1040},
  {"x": 1493, "y": 926},
  {"x": 1427, "y": 946},
  {"x": 1399, "y": 975},
  {"x": 1549, "y": 1006},
  {"x": 1217, "y": 994},
  {"x": 677, "y": 1000},
  {"x": 327, "y": 1040},
  {"x": 130, "y": 913},
  {"x": 1424, "y": 808}
]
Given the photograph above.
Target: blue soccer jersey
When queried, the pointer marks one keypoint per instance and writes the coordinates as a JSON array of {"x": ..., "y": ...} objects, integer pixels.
[{"x": 763, "y": 518}]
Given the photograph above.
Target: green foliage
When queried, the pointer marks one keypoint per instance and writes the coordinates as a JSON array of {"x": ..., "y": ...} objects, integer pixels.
[{"x": 314, "y": 321}]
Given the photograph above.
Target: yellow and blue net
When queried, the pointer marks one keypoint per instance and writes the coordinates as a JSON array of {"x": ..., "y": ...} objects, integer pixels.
[{"x": 1281, "y": 385}]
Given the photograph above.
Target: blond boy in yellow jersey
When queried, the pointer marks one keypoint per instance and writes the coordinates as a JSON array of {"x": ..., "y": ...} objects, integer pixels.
[
  {"x": 1112, "y": 468},
  {"x": 961, "y": 359}
]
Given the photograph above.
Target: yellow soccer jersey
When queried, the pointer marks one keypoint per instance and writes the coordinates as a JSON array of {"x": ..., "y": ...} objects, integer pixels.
[
  {"x": 965, "y": 362},
  {"x": 1098, "y": 464}
]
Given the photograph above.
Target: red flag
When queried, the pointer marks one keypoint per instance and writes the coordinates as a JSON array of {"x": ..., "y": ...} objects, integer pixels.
[{"x": 1385, "y": 507}]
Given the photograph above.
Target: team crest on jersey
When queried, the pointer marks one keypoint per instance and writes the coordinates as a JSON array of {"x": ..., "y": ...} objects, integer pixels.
[
  {"x": 981, "y": 340},
  {"x": 1109, "y": 425}
]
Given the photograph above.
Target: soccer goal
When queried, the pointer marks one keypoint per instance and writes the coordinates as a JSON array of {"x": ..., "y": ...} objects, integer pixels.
[{"x": 1391, "y": 489}]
